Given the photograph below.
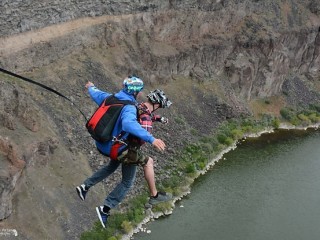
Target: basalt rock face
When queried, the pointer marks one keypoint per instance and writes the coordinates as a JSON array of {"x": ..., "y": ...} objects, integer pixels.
[
  {"x": 11, "y": 168},
  {"x": 212, "y": 58},
  {"x": 38, "y": 170},
  {"x": 261, "y": 70},
  {"x": 253, "y": 44}
]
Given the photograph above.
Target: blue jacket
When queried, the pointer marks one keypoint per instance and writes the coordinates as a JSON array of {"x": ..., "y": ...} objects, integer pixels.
[{"x": 127, "y": 121}]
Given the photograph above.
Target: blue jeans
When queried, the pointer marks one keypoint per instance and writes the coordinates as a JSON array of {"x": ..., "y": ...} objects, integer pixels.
[{"x": 121, "y": 190}]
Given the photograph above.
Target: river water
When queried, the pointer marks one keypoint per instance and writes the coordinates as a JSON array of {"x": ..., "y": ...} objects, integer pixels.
[{"x": 268, "y": 188}]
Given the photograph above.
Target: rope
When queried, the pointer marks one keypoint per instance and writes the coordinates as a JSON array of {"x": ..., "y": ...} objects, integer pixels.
[{"x": 43, "y": 86}]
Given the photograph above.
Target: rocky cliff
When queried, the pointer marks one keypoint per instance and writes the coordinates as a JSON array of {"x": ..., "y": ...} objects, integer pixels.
[{"x": 215, "y": 59}]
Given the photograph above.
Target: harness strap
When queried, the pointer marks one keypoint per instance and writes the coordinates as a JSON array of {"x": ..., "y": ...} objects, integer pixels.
[
  {"x": 117, "y": 143},
  {"x": 114, "y": 150}
]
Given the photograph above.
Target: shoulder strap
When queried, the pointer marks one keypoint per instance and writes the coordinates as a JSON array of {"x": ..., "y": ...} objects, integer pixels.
[{"x": 114, "y": 100}]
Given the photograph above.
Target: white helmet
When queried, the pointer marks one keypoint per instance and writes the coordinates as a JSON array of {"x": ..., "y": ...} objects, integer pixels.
[{"x": 159, "y": 97}]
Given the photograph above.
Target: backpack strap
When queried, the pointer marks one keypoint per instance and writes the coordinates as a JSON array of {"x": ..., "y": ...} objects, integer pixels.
[{"x": 113, "y": 100}]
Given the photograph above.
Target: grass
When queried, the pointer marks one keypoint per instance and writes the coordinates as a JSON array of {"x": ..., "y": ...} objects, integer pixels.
[
  {"x": 119, "y": 223},
  {"x": 302, "y": 117},
  {"x": 271, "y": 105}
]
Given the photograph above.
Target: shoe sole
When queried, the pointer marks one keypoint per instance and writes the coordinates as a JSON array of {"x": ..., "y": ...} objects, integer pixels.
[
  {"x": 80, "y": 193},
  {"x": 99, "y": 215}
]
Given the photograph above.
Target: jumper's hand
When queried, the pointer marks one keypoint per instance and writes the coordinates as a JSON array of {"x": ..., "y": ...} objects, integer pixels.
[
  {"x": 159, "y": 144},
  {"x": 89, "y": 84},
  {"x": 164, "y": 120}
]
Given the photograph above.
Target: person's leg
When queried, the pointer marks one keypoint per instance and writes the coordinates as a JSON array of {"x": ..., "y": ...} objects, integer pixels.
[
  {"x": 102, "y": 173},
  {"x": 148, "y": 169},
  {"x": 103, "y": 211},
  {"x": 121, "y": 190},
  {"x": 98, "y": 176},
  {"x": 155, "y": 196}
]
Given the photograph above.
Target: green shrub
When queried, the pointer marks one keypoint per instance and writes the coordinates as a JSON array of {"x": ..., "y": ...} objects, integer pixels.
[
  {"x": 162, "y": 207},
  {"x": 190, "y": 168},
  {"x": 201, "y": 165},
  {"x": 222, "y": 138},
  {"x": 135, "y": 213},
  {"x": 287, "y": 113},
  {"x": 116, "y": 220},
  {"x": 202, "y": 158},
  {"x": 139, "y": 200},
  {"x": 275, "y": 123},
  {"x": 206, "y": 139},
  {"x": 247, "y": 129},
  {"x": 212, "y": 140},
  {"x": 174, "y": 180},
  {"x": 266, "y": 120},
  {"x": 219, "y": 147},
  {"x": 307, "y": 112},
  {"x": 237, "y": 134},
  {"x": 248, "y": 122},
  {"x": 126, "y": 227},
  {"x": 113, "y": 238},
  {"x": 178, "y": 190},
  {"x": 315, "y": 107},
  {"x": 314, "y": 118},
  {"x": 229, "y": 141},
  {"x": 207, "y": 148},
  {"x": 295, "y": 121},
  {"x": 99, "y": 233},
  {"x": 305, "y": 119}
]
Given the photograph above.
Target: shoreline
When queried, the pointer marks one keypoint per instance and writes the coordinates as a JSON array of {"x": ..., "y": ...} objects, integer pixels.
[{"x": 151, "y": 215}]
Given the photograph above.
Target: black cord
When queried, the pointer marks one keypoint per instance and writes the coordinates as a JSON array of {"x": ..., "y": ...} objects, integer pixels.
[{"x": 43, "y": 86}]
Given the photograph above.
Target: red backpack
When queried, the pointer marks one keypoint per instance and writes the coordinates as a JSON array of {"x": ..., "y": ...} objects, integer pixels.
[{"x": 102, "y": 122}]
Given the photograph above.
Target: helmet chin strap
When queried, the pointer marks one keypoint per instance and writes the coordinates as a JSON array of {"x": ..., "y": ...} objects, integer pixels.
[
  {"x": 154, "y": 109},
  {"x": 135, "y": 94}
]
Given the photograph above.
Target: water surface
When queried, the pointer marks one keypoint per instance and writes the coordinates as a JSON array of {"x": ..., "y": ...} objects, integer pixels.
[{"x": 267, "y": 188}]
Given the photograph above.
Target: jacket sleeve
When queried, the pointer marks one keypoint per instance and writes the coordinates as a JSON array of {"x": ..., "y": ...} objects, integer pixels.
[
  {"x": 132, "y": 126},
  {"x": 97, "y": 95}
]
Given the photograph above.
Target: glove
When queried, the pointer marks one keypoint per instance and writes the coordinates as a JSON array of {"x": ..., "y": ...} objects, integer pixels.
[{"x": 164, "y": 120}]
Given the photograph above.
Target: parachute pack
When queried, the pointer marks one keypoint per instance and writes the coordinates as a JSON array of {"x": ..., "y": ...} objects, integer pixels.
[{"x": 103, "y": 120}]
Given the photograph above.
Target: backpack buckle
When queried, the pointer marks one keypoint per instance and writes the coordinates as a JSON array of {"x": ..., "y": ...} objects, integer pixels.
[{"x": 116, "y": 140}]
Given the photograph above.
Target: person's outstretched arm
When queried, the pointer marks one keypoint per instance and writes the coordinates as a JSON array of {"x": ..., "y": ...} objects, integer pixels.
[{"x": 97, "y": 95}]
